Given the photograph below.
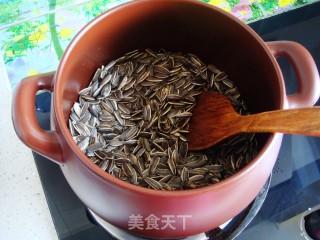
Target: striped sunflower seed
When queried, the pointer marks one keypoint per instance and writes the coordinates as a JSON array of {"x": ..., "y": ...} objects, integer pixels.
[{"x": 133, "y": 118}]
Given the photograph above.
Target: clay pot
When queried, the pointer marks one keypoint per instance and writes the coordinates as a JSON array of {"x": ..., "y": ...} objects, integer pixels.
[{"x": 177, "y": 25}]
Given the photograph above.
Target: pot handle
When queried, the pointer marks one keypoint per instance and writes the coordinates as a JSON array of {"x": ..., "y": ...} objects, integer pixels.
[
  {"x": 308, "y": 82},
  {"x": 24, "y": 118}
]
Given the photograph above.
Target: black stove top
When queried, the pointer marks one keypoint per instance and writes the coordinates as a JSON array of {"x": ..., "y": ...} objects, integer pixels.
[{"x": 295, "y": 183}]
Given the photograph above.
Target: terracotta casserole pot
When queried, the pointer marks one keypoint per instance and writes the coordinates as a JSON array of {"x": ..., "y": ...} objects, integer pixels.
[{"x": 176, "y": 25}]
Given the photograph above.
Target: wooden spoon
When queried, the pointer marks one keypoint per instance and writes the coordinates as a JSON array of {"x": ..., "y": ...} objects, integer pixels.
[{"x": 215, "y": 119}]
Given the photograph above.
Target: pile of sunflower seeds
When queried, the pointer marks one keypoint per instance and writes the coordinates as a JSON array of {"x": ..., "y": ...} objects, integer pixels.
[{"x": 133, "y": 119}]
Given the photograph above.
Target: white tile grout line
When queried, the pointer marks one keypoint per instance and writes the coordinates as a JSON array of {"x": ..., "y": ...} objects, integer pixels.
[{"x": 43, "y": 14}]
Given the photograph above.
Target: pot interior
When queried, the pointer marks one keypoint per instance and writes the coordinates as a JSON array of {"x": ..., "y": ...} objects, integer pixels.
[{"x": 185, "y": 26}]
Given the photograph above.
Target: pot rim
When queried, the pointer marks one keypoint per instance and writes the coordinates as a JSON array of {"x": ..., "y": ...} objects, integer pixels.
[{"x": 141, "y": 190}]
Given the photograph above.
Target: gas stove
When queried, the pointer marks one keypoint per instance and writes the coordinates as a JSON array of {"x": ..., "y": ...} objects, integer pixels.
[{"x": 291, "y": 192}]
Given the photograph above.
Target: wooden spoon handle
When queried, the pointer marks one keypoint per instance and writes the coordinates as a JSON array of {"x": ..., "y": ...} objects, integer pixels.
[{"x": 305, "y": 121}]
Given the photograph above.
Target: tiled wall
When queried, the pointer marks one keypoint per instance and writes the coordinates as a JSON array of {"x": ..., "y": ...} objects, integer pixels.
[{"x": 34, "y": 33}]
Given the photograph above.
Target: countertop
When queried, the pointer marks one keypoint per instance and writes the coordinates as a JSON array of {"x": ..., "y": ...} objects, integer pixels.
[
  {"x": 25, "y": 213},
  {"x": 23, "y": 207}
]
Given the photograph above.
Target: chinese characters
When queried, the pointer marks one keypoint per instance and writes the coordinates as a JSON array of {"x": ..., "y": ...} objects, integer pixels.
[{"x": 153, "y": 222}]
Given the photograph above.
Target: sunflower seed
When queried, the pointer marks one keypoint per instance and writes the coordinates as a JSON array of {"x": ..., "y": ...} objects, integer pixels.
[
  {"x": 71, "y": 128},
  {"x": 133, "y": 119},
  {"x": 82, "y": 129},
  {"x": 116, "y": 142},
  {"x": 107, "y": 106},
  {"x": 119, "y": 118},
  {"x": 85, "y": 91},
  {"x": 153, "y": 183},
  {"x": 94, "y": 147},
  {"x": 84, "y": 144},
  {"x": 184, "y": 174},
  {"x": 172, "y": 166},
  {"x": 106, "y": 90},
  {"x": 127, "y": 169},
  {"x": 196, "y": 178},
  {"x": 100, "y": 154},
  {"x": 154, "y": 165},
  {"x": 146, "y": 144}
]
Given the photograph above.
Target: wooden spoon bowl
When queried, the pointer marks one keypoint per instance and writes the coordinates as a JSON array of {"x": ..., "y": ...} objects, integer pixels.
[{"x": 214, "y": 119}]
